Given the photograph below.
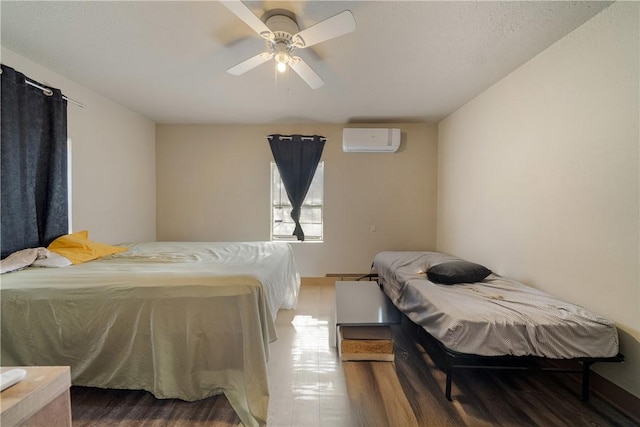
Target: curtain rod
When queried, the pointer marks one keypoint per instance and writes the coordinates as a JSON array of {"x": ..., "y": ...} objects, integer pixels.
[
  {"x": 47, "y": 91},
  {"x": 303, "y": 138}
]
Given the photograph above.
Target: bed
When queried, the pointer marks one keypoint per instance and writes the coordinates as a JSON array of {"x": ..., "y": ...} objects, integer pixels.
[
  {"x": 493, "y": 321},
  {"x": 180, "y": 320}
]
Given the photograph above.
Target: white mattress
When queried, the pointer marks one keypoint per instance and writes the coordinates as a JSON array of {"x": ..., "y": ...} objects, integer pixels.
[
  {"x": 179, "y": 319},
  {"x": 495, "y": 317}
]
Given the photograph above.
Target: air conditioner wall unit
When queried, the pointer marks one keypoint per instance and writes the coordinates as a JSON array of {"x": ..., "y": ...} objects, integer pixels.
[{"x": 370, "y": 140}]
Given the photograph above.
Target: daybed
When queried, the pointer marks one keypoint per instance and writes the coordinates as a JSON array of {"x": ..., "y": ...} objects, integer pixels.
[
  {"x": 181, "y": 320},
  {"x": 480, "y": 319}
]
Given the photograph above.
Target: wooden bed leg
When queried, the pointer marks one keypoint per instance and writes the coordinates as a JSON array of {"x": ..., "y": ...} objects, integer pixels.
[{"x": 586, "y": 370}]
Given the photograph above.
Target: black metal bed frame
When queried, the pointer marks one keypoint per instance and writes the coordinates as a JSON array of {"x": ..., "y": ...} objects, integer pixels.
[{"x": 454, "y": 360}]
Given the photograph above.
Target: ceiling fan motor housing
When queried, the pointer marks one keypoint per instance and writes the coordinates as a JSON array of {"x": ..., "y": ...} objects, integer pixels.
[
  {"x": 283, "y": 28},
  {"x": 280, "y": 23}
]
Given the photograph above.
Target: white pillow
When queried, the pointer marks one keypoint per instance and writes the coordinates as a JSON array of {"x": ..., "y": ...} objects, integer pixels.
[
  {"x": 20, "y": 259},
  {"x": 52, "y": 260}
]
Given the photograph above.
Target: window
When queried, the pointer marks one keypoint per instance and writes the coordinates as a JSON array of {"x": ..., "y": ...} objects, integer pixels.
[{"x": 282, "y": 225}]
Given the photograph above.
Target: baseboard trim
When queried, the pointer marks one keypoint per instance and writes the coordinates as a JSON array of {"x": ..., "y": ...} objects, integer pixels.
[
  {"x": 330, "y": 279},
  {"x": 608, "y": 391}
]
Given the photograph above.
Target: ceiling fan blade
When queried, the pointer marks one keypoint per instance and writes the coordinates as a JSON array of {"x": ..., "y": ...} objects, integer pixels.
[
  {"x": 330, "y": 28},
  {"x": 250, "y": 64},
  {"x": 244, "y": 13},
  {"x": 305, "y": 72}
]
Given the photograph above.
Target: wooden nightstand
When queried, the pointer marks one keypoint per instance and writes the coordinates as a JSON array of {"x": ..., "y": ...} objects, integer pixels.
[{"x": 40, "y": 399}]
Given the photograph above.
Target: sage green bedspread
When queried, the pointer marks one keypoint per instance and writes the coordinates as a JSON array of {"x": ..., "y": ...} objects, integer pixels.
[{"x": 181, "y": 320}]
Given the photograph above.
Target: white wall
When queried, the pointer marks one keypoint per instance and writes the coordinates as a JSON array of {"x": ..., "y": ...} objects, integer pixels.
[
  {"x": 213, "y": 183},
  {"x": 113, "y": 161},
  {"x": 539, "y": 176}
]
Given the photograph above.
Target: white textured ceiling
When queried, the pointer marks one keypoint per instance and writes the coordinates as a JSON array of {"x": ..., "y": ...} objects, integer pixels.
[{"x": 406, "y": 61}]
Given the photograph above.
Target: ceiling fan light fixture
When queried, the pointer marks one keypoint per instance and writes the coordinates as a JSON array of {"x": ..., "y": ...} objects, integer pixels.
[
  {"x": 281, "y": 53},
  {"x": 281, "y": 56}
]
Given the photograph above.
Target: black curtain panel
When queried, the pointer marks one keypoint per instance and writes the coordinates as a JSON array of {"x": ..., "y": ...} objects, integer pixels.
[
  {"x": 297, "y": 158},
  {"x": 33, "y": 164}
]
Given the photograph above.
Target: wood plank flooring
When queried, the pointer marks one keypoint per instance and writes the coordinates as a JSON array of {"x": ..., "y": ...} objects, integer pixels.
[{"x": 310, "y": 387}]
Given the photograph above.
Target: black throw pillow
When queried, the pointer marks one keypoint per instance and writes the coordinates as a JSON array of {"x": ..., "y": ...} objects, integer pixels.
[{"x": 452, "y": 272}]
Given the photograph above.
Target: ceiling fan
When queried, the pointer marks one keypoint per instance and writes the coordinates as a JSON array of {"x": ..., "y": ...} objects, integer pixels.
[{"x": 283, "y": 37}]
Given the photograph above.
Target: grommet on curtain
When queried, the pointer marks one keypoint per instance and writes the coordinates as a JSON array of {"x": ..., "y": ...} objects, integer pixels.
[{"x": 299, "y": 137}]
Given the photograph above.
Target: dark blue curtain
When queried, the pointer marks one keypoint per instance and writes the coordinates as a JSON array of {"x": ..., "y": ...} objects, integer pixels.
[
  {"x": 297, "y": 158},
  {"x": 33, "y": 162}
]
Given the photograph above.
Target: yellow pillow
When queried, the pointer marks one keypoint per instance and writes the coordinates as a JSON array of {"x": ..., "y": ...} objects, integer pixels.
[{"x": 78, "y": 248}]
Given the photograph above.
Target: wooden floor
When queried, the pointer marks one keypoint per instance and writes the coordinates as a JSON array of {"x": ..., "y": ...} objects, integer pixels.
[{"x": 310, "y": 387}]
